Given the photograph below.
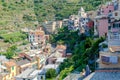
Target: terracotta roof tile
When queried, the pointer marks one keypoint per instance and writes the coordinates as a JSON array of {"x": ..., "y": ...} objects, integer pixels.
[
  {"x": 39, "y": 33},
  {"x": 25, "y": 55}
]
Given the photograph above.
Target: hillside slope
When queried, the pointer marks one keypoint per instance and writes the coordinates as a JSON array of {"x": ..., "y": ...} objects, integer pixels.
[
  {"x": 59, "y": 9},
  {"x": 15, "y": 14}
]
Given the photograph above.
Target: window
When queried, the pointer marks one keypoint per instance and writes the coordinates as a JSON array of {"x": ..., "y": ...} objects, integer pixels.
[
  {"x": 12, "y": 67},
  {"x": 109, "y": 27},
  {"x": 109, "y": 20},
  {"x": 119, "y": 25},
  {"x": 110, "y": 11},
  {"x": 113, "y": 25},
  {"x": 116, "y": 14},
  {"x": 41, "y": 77}
]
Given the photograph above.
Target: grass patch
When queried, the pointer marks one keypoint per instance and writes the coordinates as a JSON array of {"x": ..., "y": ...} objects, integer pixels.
[
  {"x": 51, "y": 79},
  {"x": 13, "y": 37},
  {"x": 3, "y": 32}
]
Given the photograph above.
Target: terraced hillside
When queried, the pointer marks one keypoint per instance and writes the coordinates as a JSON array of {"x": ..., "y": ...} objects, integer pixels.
[
  {"x": 15, "y": 14},
  {"x": 60, "y": 9}
]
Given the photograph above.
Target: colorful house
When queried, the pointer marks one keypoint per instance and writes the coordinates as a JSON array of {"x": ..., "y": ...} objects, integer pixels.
[
  {"x": 109, "y": 55},
  {"x": 24, "y": 61},
  {"x": 73, "y": 22},
  {"x": 101, "y": 25},
  {"x": 107, "y": 9},
  {"x": 37, "y": 38},
  {"x": 10, "y": 72}
]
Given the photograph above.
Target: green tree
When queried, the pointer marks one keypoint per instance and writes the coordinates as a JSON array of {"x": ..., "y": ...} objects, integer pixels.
[
  {"x": 51, "y": 73},
  {"x": 11, "y": 51},
  {"x": 65, "y": 72},
  {"x": 9, "y": 54}
]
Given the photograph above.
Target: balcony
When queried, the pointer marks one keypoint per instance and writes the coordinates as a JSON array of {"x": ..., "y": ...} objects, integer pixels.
[{"x": 106, "y": 63}]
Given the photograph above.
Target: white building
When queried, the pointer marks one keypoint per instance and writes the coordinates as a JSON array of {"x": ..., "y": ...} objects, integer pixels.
[{"x": 31, "y": 74}]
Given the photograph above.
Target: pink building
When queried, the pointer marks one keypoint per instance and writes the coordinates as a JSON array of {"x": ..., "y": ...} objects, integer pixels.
[
  {"x": 102, "y": 26},
  {"x": 107, "y": 9}
]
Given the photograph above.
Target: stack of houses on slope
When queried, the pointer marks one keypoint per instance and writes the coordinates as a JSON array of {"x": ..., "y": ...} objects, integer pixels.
[
  {"x": 108, "y": 22},
  {"x": 104, "y": 16},
  {"x": 33, "y": 64},
  {"x": 37, "y": 38},
  {"x": 80, "y": 22}
]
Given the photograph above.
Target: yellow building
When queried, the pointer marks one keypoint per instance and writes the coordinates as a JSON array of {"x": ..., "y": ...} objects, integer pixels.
[{"x": 10, "y": 72}]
